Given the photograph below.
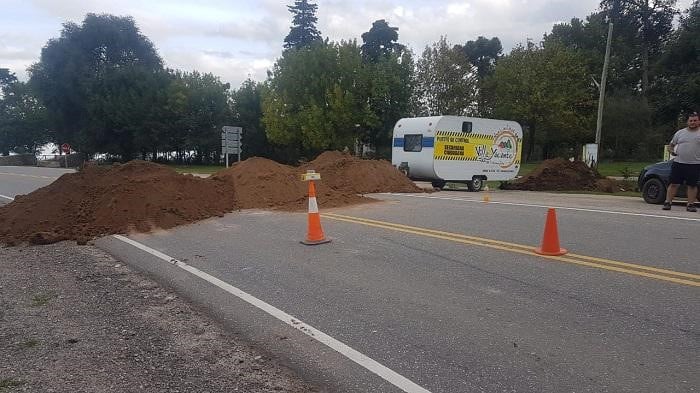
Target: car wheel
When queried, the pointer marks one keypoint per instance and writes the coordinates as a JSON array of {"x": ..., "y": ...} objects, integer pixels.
[
  {"x": 439, "y": 184},
  {"x": 476, "y": 184},
  {"x": 654, "y": 191}
]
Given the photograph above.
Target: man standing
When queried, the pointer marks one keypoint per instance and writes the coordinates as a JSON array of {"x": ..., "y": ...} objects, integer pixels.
[{"x": 686, "y": 166}]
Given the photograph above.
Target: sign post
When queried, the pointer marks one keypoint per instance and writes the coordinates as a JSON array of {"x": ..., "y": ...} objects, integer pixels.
[
  {"x": 231, "y": 141},
  {"x": 66, "y": 149}
]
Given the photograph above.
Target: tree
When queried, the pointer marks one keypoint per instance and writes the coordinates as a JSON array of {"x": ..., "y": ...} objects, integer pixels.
[
  {"x": 547, "y": 91},
  {"x": 652, "y": 21},
  {"x": 69, "y": 78},
  {"x": 678, "y": 88},
  {"x": 483, "y": 54},
  {"x": 380, "y": 41},
  {"x": 303, "y": 32},
  {"x": 201, "y": 105},
  {"x": 588, "y": 38},
  {"x": 247, "y": 113},
  {"x": 389, "y": 68},
  {"x": 445, "y": 81},
  {"x": 316, "y": 99},
  {"x": 22, "y": 117}
]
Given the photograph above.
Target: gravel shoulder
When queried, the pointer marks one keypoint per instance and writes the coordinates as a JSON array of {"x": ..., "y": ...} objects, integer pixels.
[{"x": 74, "y": 319}]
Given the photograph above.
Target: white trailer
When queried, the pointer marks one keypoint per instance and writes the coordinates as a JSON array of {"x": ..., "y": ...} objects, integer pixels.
[{"x": 457, "y": 149}]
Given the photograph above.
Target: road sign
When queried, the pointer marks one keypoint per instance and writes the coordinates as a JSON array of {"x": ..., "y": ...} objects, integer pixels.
[
  {"x": 65, "y": 148},
  {"x": 230, "y": 137},
  {"x": 231, "y": 144},
  {"x": 231, "y": 141}
]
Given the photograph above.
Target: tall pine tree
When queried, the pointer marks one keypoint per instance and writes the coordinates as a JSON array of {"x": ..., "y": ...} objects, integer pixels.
[{"x": 303, "y": 32}]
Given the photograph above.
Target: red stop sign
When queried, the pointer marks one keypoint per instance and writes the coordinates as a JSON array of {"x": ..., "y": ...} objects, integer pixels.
[{"x": 66, "y": 148}]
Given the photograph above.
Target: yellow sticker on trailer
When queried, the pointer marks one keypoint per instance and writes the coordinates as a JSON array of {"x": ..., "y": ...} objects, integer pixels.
[{"x": 502, "y": 148}]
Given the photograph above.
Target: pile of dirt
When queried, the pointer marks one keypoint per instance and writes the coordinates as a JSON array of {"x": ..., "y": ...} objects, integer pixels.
[
  {"x": 563, "y": 175},
  {"x": 142, "y": 196},
  {"x": 266, "y": 184},
  {"x": 350, "y": 174},
  {"x": 97, "y": 201}
]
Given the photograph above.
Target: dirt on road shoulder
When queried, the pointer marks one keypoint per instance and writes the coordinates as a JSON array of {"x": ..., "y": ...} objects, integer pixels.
[{"x": 73, "y": 319}]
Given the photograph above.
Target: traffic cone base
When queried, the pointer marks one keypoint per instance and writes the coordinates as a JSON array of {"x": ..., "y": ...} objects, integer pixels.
[
  {"x": 313, "y": 243},
  {"x": 561, "y": 251},
  {"x": 550, "y": 238}
]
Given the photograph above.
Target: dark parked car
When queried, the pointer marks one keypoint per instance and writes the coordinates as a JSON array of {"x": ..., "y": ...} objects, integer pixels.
[{"x": 654, "y": 180}]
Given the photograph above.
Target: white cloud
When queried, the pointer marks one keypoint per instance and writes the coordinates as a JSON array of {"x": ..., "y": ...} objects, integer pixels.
[{"x": 239, "y": 38}]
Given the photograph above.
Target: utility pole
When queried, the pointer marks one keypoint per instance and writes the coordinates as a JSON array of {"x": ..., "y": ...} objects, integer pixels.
[{"x": 601, "y": 98}]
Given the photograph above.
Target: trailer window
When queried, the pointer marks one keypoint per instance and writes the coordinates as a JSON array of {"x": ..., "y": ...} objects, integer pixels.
[
  {"x": 466, "y": 127},
  {"x": 413, "y": 142}
]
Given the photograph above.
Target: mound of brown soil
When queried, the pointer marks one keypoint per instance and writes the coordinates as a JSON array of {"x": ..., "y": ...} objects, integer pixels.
[
  {"x": 559, "y": 175},
  {"x": 141, "y": 196},
  {"x": 353, "y": 175},
  {"x": 99, "y": 201},
  {"x": 263, "y": 183}
]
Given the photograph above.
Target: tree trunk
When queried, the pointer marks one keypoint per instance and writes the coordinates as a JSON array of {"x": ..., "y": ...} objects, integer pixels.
[
  {"x": 645, "y": 70},
  {"x": 531, "y": 142}
]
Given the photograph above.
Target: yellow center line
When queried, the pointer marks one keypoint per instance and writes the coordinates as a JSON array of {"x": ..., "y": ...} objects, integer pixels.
[{"x": 600, "y": 263}]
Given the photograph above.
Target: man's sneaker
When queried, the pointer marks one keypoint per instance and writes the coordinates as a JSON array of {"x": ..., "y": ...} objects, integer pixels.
[
  {"x": 667, "y": 206},
  {"x": 691, "y": 208}
]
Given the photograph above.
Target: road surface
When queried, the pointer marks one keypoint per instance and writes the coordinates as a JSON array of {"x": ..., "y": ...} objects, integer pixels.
[{"x": 440, "y": 291}]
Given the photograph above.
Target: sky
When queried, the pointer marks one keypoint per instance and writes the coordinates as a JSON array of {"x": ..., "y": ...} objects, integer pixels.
[{"x": 236, "y": 39}]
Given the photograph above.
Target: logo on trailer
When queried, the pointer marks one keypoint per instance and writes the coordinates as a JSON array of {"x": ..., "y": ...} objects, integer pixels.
[{"x": 503, "y": 150}]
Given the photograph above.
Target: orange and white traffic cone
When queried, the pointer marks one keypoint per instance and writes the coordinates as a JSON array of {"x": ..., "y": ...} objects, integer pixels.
[
  {"x": 550, "y": 239},
  {"x": 486, "y": 198},
  {"x": 315, "y": 232}
]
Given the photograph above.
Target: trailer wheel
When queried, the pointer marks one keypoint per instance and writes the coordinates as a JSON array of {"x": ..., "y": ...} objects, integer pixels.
[
  {"x": 476, "y": 184},
  {"x": 439, "y": 184}
]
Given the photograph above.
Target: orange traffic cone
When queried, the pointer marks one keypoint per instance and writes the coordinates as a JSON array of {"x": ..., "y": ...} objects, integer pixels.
[
  {"x": 550, "y": 239},
  {"x": 315, "y": 232},
  {"x": 487, "y": 198}
]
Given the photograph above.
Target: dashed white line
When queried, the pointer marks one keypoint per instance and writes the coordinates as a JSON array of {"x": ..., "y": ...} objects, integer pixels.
[
  {"x": 548, "y": 206},
  {"x": 368, "y": 363}
]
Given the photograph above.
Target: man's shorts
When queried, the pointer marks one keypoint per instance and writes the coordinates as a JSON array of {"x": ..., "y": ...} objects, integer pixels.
[{"x": 688, "y": 173}]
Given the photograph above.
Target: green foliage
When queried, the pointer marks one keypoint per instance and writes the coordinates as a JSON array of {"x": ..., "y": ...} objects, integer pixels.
[
  {"x": 380, "y": 41},
  {"x": 22, "y": 117},
  {"x": 303, "y": 32},
  {"x": 315, "y": 98},
  {"x": 445, "y": 83},
  {"x": 678, "y": 91},
  {"x": 651, "y": 23},
  {"x": 483, "y": 54},
  {"x": 9, "y": 383},
  {"x": 70, "y": 76},
  {"x": 546, "y": 90}
]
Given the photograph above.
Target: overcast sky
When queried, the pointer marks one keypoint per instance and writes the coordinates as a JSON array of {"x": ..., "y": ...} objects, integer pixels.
[{"x": 237, "y": 39}]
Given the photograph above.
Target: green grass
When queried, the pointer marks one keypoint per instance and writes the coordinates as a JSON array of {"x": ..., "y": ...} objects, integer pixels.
[
  {"x": 7, "y": 383},
  {"x": 204, "y": 169},
  {"x": 41, "y": 299},
  {"x": 633, "y": 168},
  {"x": 31, "y": 343}
]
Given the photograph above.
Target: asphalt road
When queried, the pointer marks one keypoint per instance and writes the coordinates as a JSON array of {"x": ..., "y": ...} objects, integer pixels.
[
  {"x": 443, "y": 290},
  {"x": 18, "y": 180}
]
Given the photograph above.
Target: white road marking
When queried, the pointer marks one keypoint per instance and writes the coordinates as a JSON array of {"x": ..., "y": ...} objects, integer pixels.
[
  {"x": 547, "y": 206},
  {"x": 368, "y": 363},
  {"x": 25, "y": 175},
  {"x": 7, "y": 197}
]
